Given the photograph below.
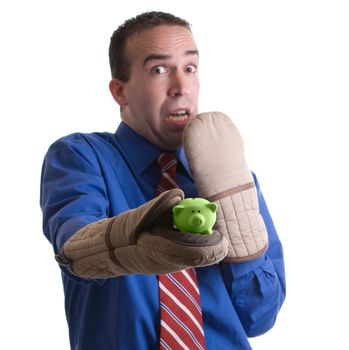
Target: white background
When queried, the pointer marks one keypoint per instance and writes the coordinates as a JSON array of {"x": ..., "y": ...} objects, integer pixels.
[{"x": 279, "y": 69}]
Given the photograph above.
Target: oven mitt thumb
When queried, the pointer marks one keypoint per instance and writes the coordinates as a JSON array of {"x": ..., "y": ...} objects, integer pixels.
[
  {"x": 215, "y": 154},
  {"x": 141, "y": 241}
]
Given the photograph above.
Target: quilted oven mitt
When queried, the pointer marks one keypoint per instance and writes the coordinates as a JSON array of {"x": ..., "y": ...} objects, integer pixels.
[
  {"x": 141, "y": 240},
  {"x": 215, "y": 153}
]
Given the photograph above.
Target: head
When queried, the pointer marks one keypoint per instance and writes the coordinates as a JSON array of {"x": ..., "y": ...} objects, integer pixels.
[{"x": 154, "y": 64}]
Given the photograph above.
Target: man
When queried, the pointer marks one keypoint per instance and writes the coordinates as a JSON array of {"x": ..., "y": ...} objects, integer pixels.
[{"x": 112, "y": 257}]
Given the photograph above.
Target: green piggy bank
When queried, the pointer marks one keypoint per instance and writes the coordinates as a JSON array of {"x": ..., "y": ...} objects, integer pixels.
[{"x": 196, "y": 215}]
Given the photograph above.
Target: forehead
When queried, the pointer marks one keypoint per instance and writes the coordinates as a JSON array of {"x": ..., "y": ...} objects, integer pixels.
[{"x": 164, "y": 39}]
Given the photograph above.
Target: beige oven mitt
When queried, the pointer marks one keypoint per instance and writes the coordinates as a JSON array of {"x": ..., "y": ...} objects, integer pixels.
[
  {"x": 216, "y": 158},
  {"x": 142, "y": 241}
]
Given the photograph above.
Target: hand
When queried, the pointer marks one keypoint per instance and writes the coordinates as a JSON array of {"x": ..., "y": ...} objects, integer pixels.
[
  {"x": 215, "y": 153},
  {"x": 141, "y": 241}
]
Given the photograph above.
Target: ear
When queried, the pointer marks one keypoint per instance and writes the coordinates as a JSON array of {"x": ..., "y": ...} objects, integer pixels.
[
  {"x": 117, "y": 88},
  {"x": 177, "y": 209},
  {"x": 212, "y": 206}
]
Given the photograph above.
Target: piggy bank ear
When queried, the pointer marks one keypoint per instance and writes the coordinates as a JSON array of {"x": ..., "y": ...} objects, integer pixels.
[
  {"x": 212, "y": 206},
  {"x": 177, "y": 209}
]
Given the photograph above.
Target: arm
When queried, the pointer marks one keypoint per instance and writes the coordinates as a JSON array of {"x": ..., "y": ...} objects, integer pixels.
[
  {"x": 257, "y": 287},
  {"x": 75, "y": 200},
  {"x": 253, "y": 268},
  {"x": 73, "y": 192}
]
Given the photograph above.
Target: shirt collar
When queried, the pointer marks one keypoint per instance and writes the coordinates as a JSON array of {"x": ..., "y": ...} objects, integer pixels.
[{"x": 140, "y": 152}]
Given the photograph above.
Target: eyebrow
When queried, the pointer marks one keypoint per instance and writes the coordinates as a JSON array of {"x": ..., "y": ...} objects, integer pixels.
[{"x": 166, "y": 57}]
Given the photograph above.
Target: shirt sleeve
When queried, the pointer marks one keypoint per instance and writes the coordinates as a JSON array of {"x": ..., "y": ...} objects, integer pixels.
[
  {"x": 73, "y": 192},
  {"x": 257, "y": 287}
]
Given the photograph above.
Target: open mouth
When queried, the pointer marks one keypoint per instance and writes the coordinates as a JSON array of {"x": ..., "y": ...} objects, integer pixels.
[{"x": 180, "y": 115}]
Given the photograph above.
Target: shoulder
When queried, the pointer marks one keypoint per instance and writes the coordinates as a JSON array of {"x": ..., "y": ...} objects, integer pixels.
[
  {"x": 79, "y": 139},
  {"x": 82, "y": 142},
  {"x": 79, "y": 148}
]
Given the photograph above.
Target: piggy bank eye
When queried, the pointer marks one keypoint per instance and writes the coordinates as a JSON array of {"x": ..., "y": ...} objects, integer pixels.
[
  {"x": 199, "y": 211},
  {"x": 193, "y": 211}
]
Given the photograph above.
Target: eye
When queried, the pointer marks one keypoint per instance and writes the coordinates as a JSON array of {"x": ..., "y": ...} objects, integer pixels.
[
  {"x": 159, "y": 70},
  {"x": 191, "y": 68},
  {"x": 193, "y": 211}
]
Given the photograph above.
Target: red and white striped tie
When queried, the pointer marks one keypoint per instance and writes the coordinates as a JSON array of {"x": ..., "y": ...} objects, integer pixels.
[{"x": 181, "y": 324}]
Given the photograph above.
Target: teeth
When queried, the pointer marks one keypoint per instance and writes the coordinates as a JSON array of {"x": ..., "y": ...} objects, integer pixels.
[
  {"x": 180, "y": 115},
  {"x": 177, "y": 117}
]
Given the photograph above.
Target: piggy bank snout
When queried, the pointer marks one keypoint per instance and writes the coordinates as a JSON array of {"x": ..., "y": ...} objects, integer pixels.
[{"x": 197, "y": 220}]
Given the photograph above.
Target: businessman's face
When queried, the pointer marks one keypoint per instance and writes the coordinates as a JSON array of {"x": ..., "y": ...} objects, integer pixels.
[{"x": 161, "y": 95}]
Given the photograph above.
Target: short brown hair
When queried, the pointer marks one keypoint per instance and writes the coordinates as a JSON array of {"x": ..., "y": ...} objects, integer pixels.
[{"x": 119, "y": 66}]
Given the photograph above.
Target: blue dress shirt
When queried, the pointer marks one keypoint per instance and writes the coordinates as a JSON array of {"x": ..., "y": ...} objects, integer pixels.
[{"x": 88, "y": 177}]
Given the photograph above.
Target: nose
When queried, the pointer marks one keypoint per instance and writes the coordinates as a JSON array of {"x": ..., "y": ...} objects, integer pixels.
[
  {"x": 179, "y": 85},
  {"x": 197, "y": 220}
]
